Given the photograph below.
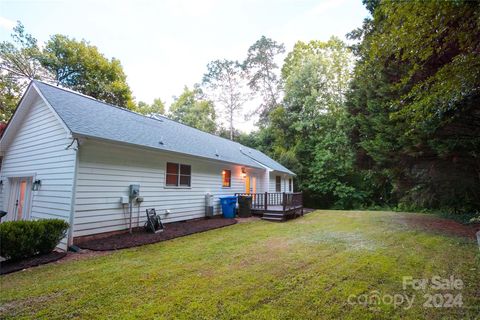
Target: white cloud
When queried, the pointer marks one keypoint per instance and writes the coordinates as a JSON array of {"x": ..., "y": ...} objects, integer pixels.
[{"x": 6, "y": 23}]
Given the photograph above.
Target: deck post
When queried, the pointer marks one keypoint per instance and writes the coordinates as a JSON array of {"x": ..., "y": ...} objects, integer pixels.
[
  {"x": 266, "y": 200},
  {"x": 284, "y": 200},
  {"x": 301, "y": 197}
]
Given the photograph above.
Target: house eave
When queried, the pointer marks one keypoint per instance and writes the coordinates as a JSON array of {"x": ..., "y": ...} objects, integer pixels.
[{"x": 137, "y": 146}]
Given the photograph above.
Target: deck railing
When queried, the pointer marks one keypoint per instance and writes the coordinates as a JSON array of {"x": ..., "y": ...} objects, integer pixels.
[{"x": 287, "y": 200}]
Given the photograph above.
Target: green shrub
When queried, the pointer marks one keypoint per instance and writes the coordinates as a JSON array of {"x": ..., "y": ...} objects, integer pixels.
[
  {"x": 22, "y": 239},
  {"x": 53, "y": 231}
]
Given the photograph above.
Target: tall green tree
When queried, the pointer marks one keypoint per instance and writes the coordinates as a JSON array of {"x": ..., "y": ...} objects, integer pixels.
[
  {"x": 415, "y": 100},
  {"x": 10, "y": 92},
  {"x": 316, "y": 77},
  {"x": 263, "y": 76},
  {"x": 20, "y": 58},
  {"x": 73, "y": 64},
  {"x": 157, "y": 107},
  {"x": 80, "y": 66},
  {"x": 309, "y": 131},
  {"x": 18, "y": 64},
  {"x": 225, "y": 81},
  {"x": 193, "y": 109}
]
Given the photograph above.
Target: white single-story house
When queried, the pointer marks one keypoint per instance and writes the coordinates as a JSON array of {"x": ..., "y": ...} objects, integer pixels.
[{"x": 66, "y": 155}]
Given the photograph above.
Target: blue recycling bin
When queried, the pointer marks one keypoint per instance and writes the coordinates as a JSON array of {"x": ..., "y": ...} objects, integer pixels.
[{"x": 228, "y": 206}]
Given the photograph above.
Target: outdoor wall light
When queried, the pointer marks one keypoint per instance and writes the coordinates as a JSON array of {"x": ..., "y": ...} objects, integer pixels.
[
  {"x": 36, "y": 185},
  {"x": 244, "y": 172}
]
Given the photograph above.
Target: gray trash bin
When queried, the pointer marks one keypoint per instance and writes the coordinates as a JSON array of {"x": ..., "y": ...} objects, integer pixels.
[
  {"x": 209, "y": 205},
  {"x": 244, "y": 206}
]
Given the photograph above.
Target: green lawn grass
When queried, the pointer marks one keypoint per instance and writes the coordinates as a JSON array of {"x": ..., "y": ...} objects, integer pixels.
[{"x": 302, "y": 269}]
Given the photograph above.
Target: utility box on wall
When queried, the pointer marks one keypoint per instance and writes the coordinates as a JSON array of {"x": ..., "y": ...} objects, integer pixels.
[
  {"x": 134, "y": 191},
  {"x": 124, "y": 199},
  {"x": 209, "y": 205}
]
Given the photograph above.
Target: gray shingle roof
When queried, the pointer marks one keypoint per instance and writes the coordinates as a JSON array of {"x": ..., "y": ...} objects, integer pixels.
[
  {"x": 88, "y": 117},
  {"x": 264, "y": 159}
]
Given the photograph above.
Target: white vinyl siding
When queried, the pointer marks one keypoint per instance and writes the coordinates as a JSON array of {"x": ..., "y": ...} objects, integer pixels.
[
  {"x": 283, "y": 184},
  {"x": 106, "y": 170},
  {"x": 39, "y": 149}
]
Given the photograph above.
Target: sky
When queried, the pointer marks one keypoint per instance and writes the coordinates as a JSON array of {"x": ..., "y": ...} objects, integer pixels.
[{"x": 164, "y": 45}]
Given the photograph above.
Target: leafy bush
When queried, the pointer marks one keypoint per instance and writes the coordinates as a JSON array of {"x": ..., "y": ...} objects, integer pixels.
[
  {"x": 53, "y": 231},
  {"x": 22, "y": 239}
]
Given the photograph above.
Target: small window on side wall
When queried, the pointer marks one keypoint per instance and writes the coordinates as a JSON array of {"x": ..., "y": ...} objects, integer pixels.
[
  {"x": 226, "y": 178},
  {"x": 278, "y": 184},
  {"x": 178, "y": 175},
  {"x": 290, "y": 186}
]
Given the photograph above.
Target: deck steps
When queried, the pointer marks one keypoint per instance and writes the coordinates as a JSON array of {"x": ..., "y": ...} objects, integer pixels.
[{"x": 274, "y": 216}]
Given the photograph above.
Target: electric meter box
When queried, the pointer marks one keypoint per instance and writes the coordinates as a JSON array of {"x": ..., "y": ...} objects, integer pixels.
[{"x": 134, "y": 190}]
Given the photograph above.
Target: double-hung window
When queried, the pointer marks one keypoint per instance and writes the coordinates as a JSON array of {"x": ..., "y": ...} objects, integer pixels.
[{"x": 178, "y": 175}]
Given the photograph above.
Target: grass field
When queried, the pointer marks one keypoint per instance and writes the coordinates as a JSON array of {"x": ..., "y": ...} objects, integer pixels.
[{"x": 321, "y": 266}]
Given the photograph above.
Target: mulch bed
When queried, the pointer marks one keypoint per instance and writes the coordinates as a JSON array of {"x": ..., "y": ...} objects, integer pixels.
[
  {"x": 446, "y": 226},
  {"x": 12, "y": 266},
  {"x": 141, "y": 237}
]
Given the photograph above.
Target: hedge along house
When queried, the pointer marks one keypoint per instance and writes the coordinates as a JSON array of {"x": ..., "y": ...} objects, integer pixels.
[{"x": 69, "y": 156}]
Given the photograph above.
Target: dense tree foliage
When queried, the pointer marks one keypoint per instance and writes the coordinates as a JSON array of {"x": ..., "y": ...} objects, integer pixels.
[
  {"x": 67, "y": 62},
  {"x": 415, "y": 101},
  {"x": 10, "y": 92},
  {"x": 308, "y": 132},
  {"x": 403, "y": 129},
  {"x": 193, "y": 109},
  {"x": 81, "y": 67}
]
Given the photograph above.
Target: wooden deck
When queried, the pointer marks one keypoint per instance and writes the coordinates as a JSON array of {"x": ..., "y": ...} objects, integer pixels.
[{"x": 276, "y": 206}]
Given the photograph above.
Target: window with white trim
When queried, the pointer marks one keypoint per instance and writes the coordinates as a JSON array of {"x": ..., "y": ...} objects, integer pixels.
[{"x": 178, "y": 175}]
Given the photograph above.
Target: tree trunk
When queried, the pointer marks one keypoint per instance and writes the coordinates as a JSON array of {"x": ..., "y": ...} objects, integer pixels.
[{"x": 231, "y": 126}]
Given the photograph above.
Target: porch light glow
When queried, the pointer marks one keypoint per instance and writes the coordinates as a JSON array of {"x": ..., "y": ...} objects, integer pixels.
[{"x": 244, "y": 173}]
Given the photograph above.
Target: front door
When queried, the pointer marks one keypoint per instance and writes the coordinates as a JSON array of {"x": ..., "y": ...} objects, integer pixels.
[
  {"x": 19, "y": 199},
  {"x": 250, "y": 184}
]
